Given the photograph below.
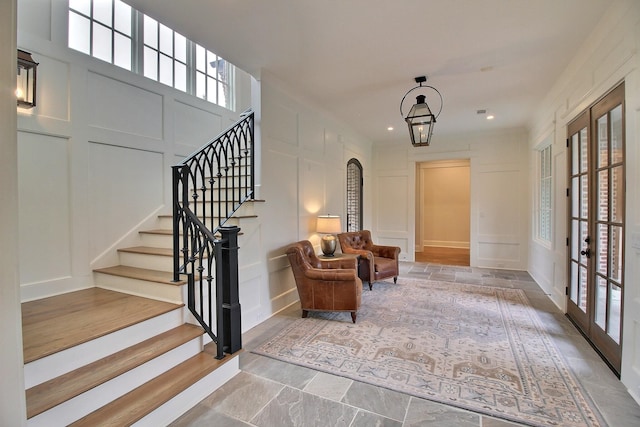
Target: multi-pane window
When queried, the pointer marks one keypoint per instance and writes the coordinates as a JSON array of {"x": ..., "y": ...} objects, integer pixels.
[
  {"x": 354, "y": 195},
  {"x": 544, "y": 207},
  {"x": 165, "y": 54},
  {"x": 102, "y": 29},
  {"x": 213, "y": 76},
  {"x": 111, "y": 30}
]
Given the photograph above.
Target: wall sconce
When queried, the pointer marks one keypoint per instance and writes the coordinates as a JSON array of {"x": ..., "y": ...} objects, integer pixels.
[
  {"x": 328, "y": 225},
  {"x": 420, "y": 118},
  {"x": 26, "y": 84}
]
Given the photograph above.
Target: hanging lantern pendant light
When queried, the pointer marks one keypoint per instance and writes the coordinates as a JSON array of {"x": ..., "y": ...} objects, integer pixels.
[
  {"x": 420, "y": 121},
  {"x": 420, "y": 118}
]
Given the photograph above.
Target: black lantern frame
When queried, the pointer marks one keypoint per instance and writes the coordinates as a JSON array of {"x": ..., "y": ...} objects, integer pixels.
[
  {"x": 26, "y": 80},
  {"x": 420, "y": 118}
]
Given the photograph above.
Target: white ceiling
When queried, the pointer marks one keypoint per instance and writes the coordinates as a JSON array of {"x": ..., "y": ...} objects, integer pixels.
[{"x": 357, "y": 58}]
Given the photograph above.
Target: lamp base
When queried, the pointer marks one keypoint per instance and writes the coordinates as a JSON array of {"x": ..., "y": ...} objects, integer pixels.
[{"x": 328, "y": 244}]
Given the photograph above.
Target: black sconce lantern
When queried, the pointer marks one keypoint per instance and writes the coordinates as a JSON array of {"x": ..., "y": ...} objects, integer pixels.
[
  {"x": 26, "y": 84},
  {"x": 420, "y": 118}
]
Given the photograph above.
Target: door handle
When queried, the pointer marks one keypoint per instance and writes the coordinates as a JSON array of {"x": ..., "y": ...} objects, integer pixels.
[{"x": 586, "y": 252}]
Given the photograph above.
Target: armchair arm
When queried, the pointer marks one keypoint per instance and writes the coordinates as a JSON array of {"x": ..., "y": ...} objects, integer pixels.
[
  {"x": 334, "y": 274},
  {"x": 386, "y": 251}
]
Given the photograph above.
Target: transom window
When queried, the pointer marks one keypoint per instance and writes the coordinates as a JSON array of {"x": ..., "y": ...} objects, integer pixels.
[
  {"x": 165, "y": 54},
  {"x": 108, "y": 29},
  {"x": 102, "y": 29},
  {"x": 212, "y": 76}
]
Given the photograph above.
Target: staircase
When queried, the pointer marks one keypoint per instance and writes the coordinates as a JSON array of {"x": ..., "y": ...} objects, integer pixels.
[{"x": 128, "y": 351}]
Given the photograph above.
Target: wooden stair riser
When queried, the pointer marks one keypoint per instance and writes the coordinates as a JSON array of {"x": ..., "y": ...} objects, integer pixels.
[
  {"x": 147, "y": 261},
  {"x": 64, "y": 361},
  {"x": 156, "y": 239},
  {"x": 151, "y": 262},
  {"x": 145, "y": 288},
  {"x": 87, "y": 402}
]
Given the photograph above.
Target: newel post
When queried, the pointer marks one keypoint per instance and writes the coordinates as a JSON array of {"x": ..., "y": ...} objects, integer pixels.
[{"x": 230, "y": 298}]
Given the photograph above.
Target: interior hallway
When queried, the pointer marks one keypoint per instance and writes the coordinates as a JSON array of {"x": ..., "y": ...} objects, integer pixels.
[
  {"x": 446, "y": 256},
  {"x": 270, "y": 393}
]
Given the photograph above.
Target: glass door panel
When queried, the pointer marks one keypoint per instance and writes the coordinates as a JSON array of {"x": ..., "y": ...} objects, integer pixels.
[
  {"x": 601, "y": 303},
  {"x": 579, "y": 205},
  {"x": 602, "y": 261},
  {"x": 616, "y": 135},
  {"x": 615, "y": 313}
]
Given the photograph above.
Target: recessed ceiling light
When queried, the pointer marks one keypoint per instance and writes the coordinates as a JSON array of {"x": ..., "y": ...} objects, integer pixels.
[
  {"x": 390, "y": 128},
  {"x": 490, "y": 117}
]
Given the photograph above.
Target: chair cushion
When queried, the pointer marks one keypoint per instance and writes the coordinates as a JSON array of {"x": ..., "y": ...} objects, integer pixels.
[{"x": 385, "y": 267}]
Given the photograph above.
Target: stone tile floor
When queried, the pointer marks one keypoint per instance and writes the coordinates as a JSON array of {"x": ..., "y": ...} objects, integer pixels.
[{"x": 270, "y": 393}]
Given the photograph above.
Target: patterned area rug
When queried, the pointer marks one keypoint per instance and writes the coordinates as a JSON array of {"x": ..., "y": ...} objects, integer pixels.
[{"x": 475, "y": 347}]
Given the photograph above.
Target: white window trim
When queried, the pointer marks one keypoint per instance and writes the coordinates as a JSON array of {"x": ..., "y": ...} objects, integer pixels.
[{"x": 545, "y": 144}]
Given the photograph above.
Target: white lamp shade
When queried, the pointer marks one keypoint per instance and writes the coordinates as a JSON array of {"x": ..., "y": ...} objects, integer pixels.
[{"x": 329, "y": 224}]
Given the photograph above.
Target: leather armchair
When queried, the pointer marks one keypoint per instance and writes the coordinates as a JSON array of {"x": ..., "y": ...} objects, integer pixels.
[
  {"x": 324, "y": 285},
  {"x": 377, "y": 262}
]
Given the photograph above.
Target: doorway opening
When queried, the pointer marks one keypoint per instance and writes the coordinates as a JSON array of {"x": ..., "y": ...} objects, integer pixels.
[{"x": 443, "y": 212}]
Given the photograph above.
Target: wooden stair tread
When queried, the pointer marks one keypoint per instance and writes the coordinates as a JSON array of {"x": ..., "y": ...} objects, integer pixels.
[
  {"x": 63, "y": 329},
  {"x": 164, "y": 232},
  {"x": 165, "y": 277},
  {"x": 51, "y": 307},
  {"x": 45, "y": 396},
  {"x": 148, "y": 250},
  {"x": 134, "y": 405}
]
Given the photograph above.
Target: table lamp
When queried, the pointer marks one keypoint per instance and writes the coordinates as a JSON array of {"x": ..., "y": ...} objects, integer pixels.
[{"x": 328, "y": 225}]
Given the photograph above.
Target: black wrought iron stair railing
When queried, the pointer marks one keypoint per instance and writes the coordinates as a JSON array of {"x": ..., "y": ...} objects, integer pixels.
[{"x": 208, "y": 188}]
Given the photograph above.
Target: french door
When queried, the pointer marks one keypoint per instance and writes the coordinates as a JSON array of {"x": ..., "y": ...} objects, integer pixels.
[{"x": 597, "y": 193}]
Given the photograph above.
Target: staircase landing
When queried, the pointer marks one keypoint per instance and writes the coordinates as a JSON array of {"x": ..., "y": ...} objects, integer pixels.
[{"x": 57, "y": 323}]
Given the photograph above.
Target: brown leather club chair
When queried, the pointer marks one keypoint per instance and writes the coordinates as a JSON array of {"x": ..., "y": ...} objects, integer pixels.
[
  {"x": 325, "y": 285},
  {"x": 376, "y": 262}
]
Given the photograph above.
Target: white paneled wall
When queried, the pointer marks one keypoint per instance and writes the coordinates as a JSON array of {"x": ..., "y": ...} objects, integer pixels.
[
  {"x": 304, "y": 158},
  {"x": 126, "y": 187},
  {"x": 12, "y": 405},
  {"x": 498, "y": 168},
  {"x": 500, "y": 221},
  {"x": 44, "y": 206},
  {"x": 608, "y": 56},
  {"x": 186, "y": 135},
  {"x": 95, "y": 155},
  {"x": 118, "y": 106},
  {"x": 394, "y": 201},
  {"x": 393, "y": 191}
]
